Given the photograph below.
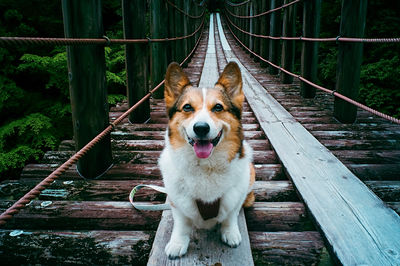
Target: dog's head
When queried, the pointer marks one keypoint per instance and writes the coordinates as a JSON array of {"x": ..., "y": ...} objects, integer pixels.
[{"x": 206, "y": 119}]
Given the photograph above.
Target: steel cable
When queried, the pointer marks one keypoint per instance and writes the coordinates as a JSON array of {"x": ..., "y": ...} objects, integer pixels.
[
  {"x": 84, "y": 41},
  {"x": 237, "y": 4},
  {"x": 183, "y": 12},
  {"x": 264, "y": 13},
  {"x": 334, "y": 93},
  {"x": 333, "y": 39},
  {"x": 33, "y": 193}
]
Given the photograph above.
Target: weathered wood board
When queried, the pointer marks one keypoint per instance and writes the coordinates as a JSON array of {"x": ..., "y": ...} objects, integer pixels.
[
  {"x": 358, "y": 226},
  {"x": 205, "y": 247}
]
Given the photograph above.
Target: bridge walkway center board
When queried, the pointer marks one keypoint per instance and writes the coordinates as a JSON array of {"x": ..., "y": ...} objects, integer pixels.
[
  {"x": 358, "y": 226},
  {"x": 205, "y": 247}
]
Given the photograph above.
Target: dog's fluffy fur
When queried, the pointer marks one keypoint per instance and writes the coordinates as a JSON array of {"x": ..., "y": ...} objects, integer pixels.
[{"x": 205, "y": 165}]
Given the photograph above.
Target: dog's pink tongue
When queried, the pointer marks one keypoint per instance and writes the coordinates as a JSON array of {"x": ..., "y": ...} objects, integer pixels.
[{"x": 203, "y": 149}]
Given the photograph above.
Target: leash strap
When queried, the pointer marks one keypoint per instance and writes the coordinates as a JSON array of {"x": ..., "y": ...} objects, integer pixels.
[{"x": 148, "y": 207}]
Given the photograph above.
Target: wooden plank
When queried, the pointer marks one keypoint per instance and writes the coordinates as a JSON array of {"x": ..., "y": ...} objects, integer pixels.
[
  {"x": 149, "y": 157},
  {"x": 352, "y": 23},
  {"x": 120, "y": 215},
  {"x": 358, "y": 226},
  {"x": 87, "y": 83},
  {"x": 288, "y": 248},
  {"x": 118, "y": 190},
  {"x": 209, "y": 75},
  {"x": 34, "y": 247},
  {"x": 205, "y": 247},
  {"x": 131, "y": 171},
  {"x": 134, "y": 19},
  {"x": 133, "y": 247}
]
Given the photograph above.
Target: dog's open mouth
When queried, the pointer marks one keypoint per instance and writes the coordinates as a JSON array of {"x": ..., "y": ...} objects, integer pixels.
[{"x": 204, "y": 147}]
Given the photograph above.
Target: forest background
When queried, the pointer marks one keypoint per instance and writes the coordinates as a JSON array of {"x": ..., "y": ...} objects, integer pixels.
[{"x": 35, "y": 113}]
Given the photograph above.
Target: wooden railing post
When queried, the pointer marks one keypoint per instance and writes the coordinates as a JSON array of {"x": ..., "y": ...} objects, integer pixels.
[
  {"x": 179, "y": 32},
  {"x": 251, "y": 25},
  {"x": 274, "y": 30},
  {"x": 352, "y": 24},
  {"x": 264, "y": 30},
  {"x": 159, "y": 30},
  {"x": 246, "y": 23},
  {"x": 289, "y": 30},
  {"x": 87, "y": 83},
  {"x": 171, "y": 53},
  {"x": 185, "y": 7},
  {"x": 134, "y": 20},
  {"x": 309, "y": 51},
  {"x": 256, "y": 29}
]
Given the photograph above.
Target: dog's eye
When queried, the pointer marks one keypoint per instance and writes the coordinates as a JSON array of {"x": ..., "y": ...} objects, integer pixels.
[
  {"x": 188, "y": 108},
  {"x": 217, "y": 108}
]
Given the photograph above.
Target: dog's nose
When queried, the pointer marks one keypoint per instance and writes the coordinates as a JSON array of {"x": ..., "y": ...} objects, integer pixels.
[{"x": 201, "y": 129}]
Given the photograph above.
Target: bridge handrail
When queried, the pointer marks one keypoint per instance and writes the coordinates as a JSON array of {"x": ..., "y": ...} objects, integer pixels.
[
  {"x": 264, "y": 13},
  {"x": 185, "y": 13},
  {"x": 33, "y": 193},
  {"x": 238, "y": 4},
  {"x": 301, "y": 38},
  {"x": 332, "y": 92},
  {"x": 86, "y": 41}
]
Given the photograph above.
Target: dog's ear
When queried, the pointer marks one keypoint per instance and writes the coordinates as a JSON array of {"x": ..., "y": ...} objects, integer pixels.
[
  {"x": 175, "y": 82},
  {"x": 231, "y": 80}
]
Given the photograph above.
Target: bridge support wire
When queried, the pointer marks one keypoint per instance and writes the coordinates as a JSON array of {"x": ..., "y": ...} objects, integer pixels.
[{"x": 332, "y": 92}]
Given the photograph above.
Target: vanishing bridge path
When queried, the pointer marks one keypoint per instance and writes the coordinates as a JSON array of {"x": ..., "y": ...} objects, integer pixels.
[{"x": 309, "y": 198}]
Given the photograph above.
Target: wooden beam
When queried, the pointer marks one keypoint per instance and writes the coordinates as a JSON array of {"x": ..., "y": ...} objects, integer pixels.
[
  {"x": 289, "y": 30},
  {"x": 171, "y": 51},
  {"x": 352, "y": 24},
  {"x": 179, "y": 31},
  {"x": 137, "y": 56},
  {"x": 309, "y": 50},
  {"x": 117, "y": 190},
  {"x": 133, "y": 247},
  {"x": 264, "y": 30},
  {"x": 358, "y": 226},
  {"x": 205, "y": 247},
  {"x": 75, "y": 247},
  {"x": 87, "y": 83},
  {"x": 131, "y": 171},
  {"x": 256, "y": 28},
  {"x": 159, "y": 30},
  {"x": 274, "y": 30},
  {"x": 120, "y": 215}
]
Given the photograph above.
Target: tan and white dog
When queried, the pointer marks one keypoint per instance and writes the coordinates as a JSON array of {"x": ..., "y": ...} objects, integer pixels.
[{"x": 206, "y": 165}]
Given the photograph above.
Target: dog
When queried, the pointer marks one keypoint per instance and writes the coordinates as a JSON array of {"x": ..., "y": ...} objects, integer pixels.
[{"x": 206, "y": 164}]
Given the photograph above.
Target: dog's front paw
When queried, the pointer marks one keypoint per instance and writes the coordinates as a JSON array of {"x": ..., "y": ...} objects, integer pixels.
[
  {"x": 176, "y": 248},
  {"x": 231, "y": 236}
]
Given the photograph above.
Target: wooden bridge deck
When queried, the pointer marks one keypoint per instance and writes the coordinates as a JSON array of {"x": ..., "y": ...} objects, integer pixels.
[{"x": 91, "y": 221}]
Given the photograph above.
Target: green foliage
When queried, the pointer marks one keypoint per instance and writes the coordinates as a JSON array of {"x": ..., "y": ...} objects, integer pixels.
[
  {"x": 54, "y": 67},
  {"x": 380, "y": 69},
  {"x": 25, "y": 139},
  {"x": 378, "y": 88},
  {"x": 34, "y": 91},
  {"x": 113, "y": 99}
]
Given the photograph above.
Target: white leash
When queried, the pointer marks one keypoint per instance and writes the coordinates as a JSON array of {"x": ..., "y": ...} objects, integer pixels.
[{"x": 148, "y": 207}]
